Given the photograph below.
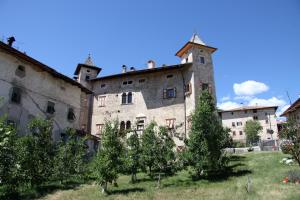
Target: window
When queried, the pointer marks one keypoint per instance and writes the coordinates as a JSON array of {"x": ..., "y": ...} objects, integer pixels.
[
  {"x": 128, "y": 125},
  {"x": 102, "y": 85},
  {"x": 50, "y": 107},
  {"x": 188, "y": 88},
  {"x": 20, "y": 71},
  {"x": 266, "y": 114},
  {"x": 241, "y": 132},
  {"x": 202, "y": 60},
  {"x": 129, "y": 97},
  {"x": 87, "y": 77},
  {"x": 169, "y": 93},
  {"x": 231, "y": 113},
  {"x": 101, "y": 101},
  {"x": 233, "y": 124},
  {"x": 140, "y": 124},
  {"x": 255, "y": 117},
  {"x": 170, "y": 123},
  {"x": 16, "y": 95},
  {"x": 122, "y": 126},
  {"x": 239, "y": 123},
  {"x": 88, "y": 70},
  {"x": 71, "y": 114},
  {"x": 233, "y": 133},
  {"x": 124, "y": 82},
  {"x": 124, "y": 97},
  {"x": 245, "y": 111},
  {"x": 129, "y": 82},
  {"x": 205, "y": 86},
  {"x": 170, "y": 76},
  {"x": 142, "y": 80},
  {"x": 254, "y": 111},
  {"x": 99, "y": 128},
  {"x": 267, "y": 121}
]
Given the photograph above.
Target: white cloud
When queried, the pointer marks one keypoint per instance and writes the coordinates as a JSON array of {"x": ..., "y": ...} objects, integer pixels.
[
  {"x": 226, "y": 98},
  {"x": 274, "y": 101},
  {"x": 228, "y": 105},
  {"x": 249, "y": 88},
  {"x": 245, "y": 98}
]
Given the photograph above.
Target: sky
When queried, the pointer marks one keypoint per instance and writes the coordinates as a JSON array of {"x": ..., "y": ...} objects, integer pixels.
[{"x": 258, "y": 41}]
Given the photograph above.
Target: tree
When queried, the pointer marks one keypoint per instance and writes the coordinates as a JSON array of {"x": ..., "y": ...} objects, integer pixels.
[
  {"x": 252, "y": 129},
  {"x": 9, "y": 167},
  {"x": 108, "y": 160},
  {"x": 133, "y": 155},
  {"x": 207, "y": 138},
  {"x": 36, "y": 152},
  {"x": 148, "y": 152},
  {"x": 69, "y": 159},
  {"x": 291, "y": 132}
]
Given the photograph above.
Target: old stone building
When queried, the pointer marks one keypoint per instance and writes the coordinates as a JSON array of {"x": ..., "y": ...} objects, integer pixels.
[
  {"x": 165, "y": 94},
  {"x": 293, "y": 112},
  {"x": 235, "y": 120},
  {"x": 29, "y": 88}
]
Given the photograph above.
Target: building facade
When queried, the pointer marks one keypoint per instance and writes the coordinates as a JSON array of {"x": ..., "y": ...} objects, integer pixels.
[
  {"x": 30, "y": 89},
  {"x": 293, "y": 112},
  {"x": 235, "y": 120},
  {"x": 164, "y": 94}
]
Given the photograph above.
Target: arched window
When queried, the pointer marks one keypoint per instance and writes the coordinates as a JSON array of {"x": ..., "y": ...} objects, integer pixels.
[
  {"x": 124, "y": 97},
  {"x": 122, "y": 126},
  {"x": 128, "y": 125},
  {"x": 129, "y": 97}
]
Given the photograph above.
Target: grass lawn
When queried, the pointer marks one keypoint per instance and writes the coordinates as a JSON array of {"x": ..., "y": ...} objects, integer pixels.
[{"x": 264, "y": 170}]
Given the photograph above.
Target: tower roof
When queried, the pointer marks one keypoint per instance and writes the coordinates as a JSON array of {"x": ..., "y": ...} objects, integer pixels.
[
  {"x": 89, "y": 61},
  {"x": 195, "y": 41}
]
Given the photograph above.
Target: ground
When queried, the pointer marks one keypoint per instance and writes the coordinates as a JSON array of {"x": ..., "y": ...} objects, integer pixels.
[{"x": 264, "y": 170}]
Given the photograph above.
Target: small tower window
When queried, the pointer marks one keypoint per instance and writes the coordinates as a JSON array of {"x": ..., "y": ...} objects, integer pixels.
[
  {"x": 169, "y": 93},
  {"x": 50, "y": 107},
  {"x": 71, "y": 114},
  {"x": 87, "y": 77},
  {"x": 202, "y": 60},
  {"x": 170, "y": 76},
  {"x": 20, "y": 71},
  {"x": 129, "y": 82},
  {"x": 122, "y": 126},
  {"x": 16, "y": 95}
]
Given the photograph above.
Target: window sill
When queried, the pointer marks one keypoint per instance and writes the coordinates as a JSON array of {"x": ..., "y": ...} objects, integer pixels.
[{"x": 124, "y": 104}]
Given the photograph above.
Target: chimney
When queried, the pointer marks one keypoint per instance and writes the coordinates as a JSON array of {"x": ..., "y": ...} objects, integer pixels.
[
  {"x": 132, "y": 69},
  {"x": 10, "y": 41},
  {"x": 124, "y": 69},
  {"x": 151, "y": 64}
]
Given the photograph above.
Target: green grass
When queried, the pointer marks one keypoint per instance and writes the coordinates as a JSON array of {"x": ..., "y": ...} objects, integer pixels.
[{"x": 264, "y": 170}]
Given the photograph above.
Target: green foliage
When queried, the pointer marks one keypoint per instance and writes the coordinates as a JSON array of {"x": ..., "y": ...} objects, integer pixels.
[
  {"x": 252, "y": 129},
  {"x": 108, "y": 161},
  {"x": 69, "y": 159},
  {"x": 238, "y": 144},
  {"x": 205, "y": 147},
  {"x": 294, "y": 175},
  {"x": 36, "y": 152},
  {"x": 291, "y": 133},
  {"x": 9, "y": 167},
  {"x": 157, "y": 150},
  {"x": 133, "y": 155}
]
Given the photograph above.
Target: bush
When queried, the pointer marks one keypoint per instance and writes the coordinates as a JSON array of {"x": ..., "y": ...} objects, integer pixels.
[
  {"x": 286, "y": 147},
  {"x": 238, "y": 144},
  {"x": 293, "y": 176}
]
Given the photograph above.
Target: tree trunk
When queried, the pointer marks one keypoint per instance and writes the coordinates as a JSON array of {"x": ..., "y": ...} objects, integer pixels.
[
  {"x": 158, "y": 181},
  {"x": 115, "y": 183},
  {"x": 104, "y": 188}
]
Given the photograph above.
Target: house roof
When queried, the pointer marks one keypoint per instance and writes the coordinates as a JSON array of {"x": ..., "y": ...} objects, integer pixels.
[
  {"x": 144, "y": 71},
  {"x": 88, "y": 64},
  {"x": 243, "y": 108},
  {"x": 42, "y": 66},
  {"x": 292, "y": 108}
]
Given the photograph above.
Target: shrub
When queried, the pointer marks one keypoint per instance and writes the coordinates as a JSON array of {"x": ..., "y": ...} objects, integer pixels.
[
  {"x": 286, "y": 147},
  {"x": 293, "y": 176}
]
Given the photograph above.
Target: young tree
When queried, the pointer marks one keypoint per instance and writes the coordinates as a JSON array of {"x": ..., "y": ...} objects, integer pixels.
[
  {"x": 36, "y": 152},
  {"x": 148, "y": 152},
  {"x": 108, "y": 160},
  {"x": 9, "y": 167},
  {"x": 252, "y": 129},
  {"x": 291, "y": 132},
  {"x": 133, "y": 155},
  {"x": 207, "y": 139},
  {"x": 69, "y": 159}
]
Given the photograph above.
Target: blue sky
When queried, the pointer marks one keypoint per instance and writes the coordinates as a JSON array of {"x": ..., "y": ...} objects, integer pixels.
[{"x": 258, "y": 41}]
